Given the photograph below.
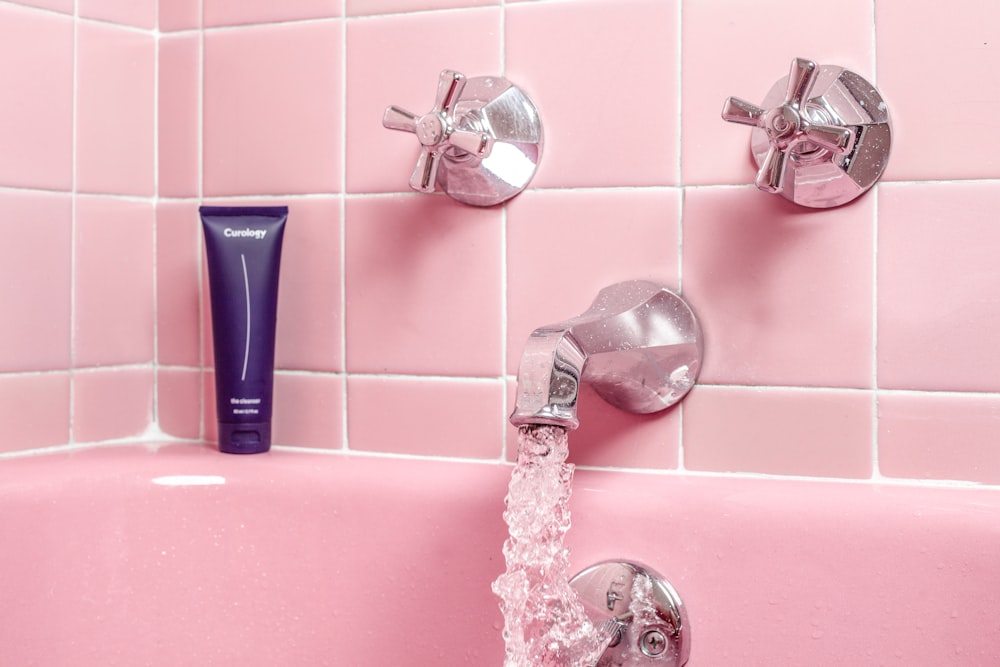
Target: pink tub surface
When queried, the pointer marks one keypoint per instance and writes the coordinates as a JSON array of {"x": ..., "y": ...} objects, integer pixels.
[{"x": 179, "y": 555}]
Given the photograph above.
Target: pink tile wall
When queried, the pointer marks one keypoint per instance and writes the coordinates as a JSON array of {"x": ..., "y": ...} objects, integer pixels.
[
  {"x": 856, "y": 343},
  {"x": 111, "y": 404},
  {"x": 36, "y": 64},
  {"x": 77, "y": 181},
  {"x": 179, "y": 87},
  {"x": 278, "y": 84},
  {"x": 38, "y": 253},
  {"x": 610, "y": 113},
  {"x": 138, "y": 13},
  {"x": 115, "y": 111},
  {"x": 113, "y": 282}
]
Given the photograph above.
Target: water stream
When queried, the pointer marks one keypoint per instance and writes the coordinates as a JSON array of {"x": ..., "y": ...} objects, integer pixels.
[{"x": 545, "y": 624}]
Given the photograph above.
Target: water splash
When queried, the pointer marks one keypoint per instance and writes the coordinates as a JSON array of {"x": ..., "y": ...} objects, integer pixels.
[{"x": 545, "y": 624}]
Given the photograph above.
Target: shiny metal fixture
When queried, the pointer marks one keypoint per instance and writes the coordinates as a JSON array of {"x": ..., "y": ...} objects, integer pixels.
[
  {"x": 639, "y": 345},
  {"x": 649, "y": 618},
  {"x": 480, "y": 143},
  {"x": 821, "y": 136}
]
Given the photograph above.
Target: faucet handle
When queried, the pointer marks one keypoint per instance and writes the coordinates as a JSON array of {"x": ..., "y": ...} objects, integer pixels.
[
  {"x": 438, "y": 131},
  {"x": 788, "y": 126},
  {"x": 480, "y": 143},
  {"x": 822, "y": 140},
  {"x": 646, "y": 619}
]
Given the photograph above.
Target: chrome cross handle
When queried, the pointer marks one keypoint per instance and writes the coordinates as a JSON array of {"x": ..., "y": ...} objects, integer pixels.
[
  {"x": 480, "y": 143},
  {"x": 437, "y": 131},
  {"x": 821, "y": 136},
  {"x": 788, "y": 125}
]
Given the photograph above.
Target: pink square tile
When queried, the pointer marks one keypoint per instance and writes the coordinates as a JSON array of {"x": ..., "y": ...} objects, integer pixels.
[
  {"x": 179, "y": 115},
  {"x": 272, "y": 110},
  {"x": 926, "y": 143},
  {"x": 365, "y": 7},
  {"x": 178, "y": 402},
  {"x": 115, "y": 110},
  {"x": 111, "y": 404},
  {"x": 210, "y": 427},
  {"x": 309, "y": 410},
  {"x": 813, "y": 432},
  {"x": 308, "y": 335},
  {"x": 34, "y": 411},
  {"x": 457, "y": 418},
  {"x": 608, "y": 437},
  {"x": 939, "y": 288},
  {"x": 36, "y": 121},
  {"x": 309, "y": 306},
  {"x": 714, "y": 32},
  {"x": 138, "y": 13},
  {"x": 178, "y": 263},
  {"x": 228, "y": 12},
  {"x": 609, "y": 113},
  {"x": 179, "y": 15},
  {"x": 113, "y": 282},
  {"x": 423, "y": 286},
  {"x": 381, "y": 160},
  {"x": 784, "y": 294},
  {"x": 36, "y": 257},
  {"x": 939, "y": 436},
  {"x": 564, "y": 247},
  {"x": 207, "y": 341}
]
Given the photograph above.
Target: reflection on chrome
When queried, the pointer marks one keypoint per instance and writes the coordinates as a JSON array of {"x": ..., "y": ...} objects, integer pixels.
[
  {"x": 638, "y": 345},
  {"x": 510, "y": 165}
]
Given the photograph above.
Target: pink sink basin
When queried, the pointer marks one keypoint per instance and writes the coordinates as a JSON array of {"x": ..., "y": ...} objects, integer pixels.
[{"x": 181, "y": 556}]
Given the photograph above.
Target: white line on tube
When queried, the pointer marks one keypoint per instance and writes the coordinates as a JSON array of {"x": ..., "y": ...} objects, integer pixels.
[{"x": 246, "y": 287}]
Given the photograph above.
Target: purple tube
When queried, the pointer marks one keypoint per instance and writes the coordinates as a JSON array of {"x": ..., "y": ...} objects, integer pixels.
[{"x": 243, "y": 247}]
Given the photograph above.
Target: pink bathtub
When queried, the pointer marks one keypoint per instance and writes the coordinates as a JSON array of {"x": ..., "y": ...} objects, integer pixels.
[{"x": 178, "y": 555}]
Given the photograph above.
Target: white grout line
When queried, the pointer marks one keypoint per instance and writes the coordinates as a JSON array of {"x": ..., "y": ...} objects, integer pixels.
[
  {"x": 344, "y": 18},
  {"x": 505, "y": 406},
  {"x": 489, "y": 379},
  {"x": 75, "y": 16},
  {"x": 386, "y": 195},
  {"x": 678, "y": 92},
  {"x": 202, "y": 330},
  {"x": 874, "y": 62},
  {"x": 73, "y": 221},
  {"x": 503, "y": 39},
  {"x": 155, "y": 408},
  {"x": 56, "y": 191},
  {"x": 504, "y": 378},
  {"x": 681, "y": 200},
  {"x": 344, "y": 426},
  {"x": 876, "y": 470}
]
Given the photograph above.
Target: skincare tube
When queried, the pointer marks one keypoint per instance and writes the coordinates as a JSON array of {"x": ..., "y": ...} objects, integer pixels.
[{"x": 243, "y": 248}]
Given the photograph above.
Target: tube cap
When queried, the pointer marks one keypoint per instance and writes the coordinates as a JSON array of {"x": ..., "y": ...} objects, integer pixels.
[{"x": 252, "y": 438}]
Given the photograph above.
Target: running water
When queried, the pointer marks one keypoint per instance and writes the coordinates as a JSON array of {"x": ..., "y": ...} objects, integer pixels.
[{"x": 545, "y": 624}]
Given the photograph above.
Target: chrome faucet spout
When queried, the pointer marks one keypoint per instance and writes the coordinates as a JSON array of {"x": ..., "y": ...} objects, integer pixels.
[
  {"x": 639, "y": 346},
  {"x": 548, "y": 379}
]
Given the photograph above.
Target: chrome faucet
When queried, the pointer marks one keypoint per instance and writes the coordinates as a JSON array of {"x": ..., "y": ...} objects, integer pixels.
[
  {"x": 821, "y": 136},
  {"x": 639, "y": 345}
]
